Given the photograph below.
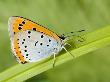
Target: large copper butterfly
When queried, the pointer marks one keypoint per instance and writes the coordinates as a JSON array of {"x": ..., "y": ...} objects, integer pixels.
[{"x": 32, "y": 42}]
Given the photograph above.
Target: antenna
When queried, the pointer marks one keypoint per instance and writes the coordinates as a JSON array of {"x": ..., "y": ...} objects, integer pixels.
[{"x": 63, "y": 36}]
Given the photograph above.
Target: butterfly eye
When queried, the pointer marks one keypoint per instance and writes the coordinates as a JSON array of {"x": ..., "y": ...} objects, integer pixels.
[{"x": 62, "y": 37}]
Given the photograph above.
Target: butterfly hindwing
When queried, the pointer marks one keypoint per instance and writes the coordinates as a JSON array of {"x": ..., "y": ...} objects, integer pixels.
[{"x": 34, "y": 48}]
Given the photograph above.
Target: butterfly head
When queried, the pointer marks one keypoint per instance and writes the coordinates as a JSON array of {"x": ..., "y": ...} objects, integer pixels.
[{"x": 62, "y": 37}]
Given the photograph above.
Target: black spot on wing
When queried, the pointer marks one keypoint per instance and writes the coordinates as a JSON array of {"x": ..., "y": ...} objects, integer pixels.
[
  {"x": 19, "y": 28},
  {"x": 23, "y": 39},
  {"x": 14, "y": 32},
  {"x": 49, "y": 40},
  {"x": 22, "y": 42},
  {"x": 20, "y": 25},
  {"x": 36, "y": 43},
  {"x": 47, "y": 45},
  {"x": 25, "y": 50},
  {"x": 23, "y": 22},
  {"x": 23, "y": 62},
  {"x": 29, "y": 32},
  {"x": 34, "y": 29},
  {"x": 25, "y": 46},
  {"x": 29, "y": 36},
  {"x": 27, "y": 54},
  {"x": 42, "y": 36},
  {"x": 41, "y": 44},
  {"x": 19, "y": 51}
]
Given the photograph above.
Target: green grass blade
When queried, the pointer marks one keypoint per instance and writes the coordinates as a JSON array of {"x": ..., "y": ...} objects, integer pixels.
[{"x": 93, "y": 41}]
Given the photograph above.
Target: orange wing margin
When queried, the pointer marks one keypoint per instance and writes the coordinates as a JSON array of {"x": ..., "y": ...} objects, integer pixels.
[
  {"x": 22, "y": 24},
  {"x": 18, "y": 52}
]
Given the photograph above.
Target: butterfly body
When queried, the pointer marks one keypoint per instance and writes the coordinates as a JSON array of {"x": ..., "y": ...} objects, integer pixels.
[{"x": 32, "y": 42}]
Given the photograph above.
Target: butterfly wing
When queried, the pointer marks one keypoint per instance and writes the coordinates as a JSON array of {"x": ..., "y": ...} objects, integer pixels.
[
  {"x": 35, "y": 46},
  {"x": 17, "y": 24},
  {"x": 30, "y": 41}
]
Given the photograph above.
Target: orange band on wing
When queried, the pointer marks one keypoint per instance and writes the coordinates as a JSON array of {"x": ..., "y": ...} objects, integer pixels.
[
  {"x": 29, "y": 25},
  {"x": 18, "y": 52}
]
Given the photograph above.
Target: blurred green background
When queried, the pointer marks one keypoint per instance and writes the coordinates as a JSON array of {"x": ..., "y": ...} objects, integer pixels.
[{"x": 61, "y": 16}]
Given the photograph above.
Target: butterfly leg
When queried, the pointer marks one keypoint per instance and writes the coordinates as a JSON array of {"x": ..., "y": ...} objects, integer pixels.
[
  {"x": 68, "y": 52},
  {"x": 67, "y": 44},
  {"x": 54, "y": 59}
]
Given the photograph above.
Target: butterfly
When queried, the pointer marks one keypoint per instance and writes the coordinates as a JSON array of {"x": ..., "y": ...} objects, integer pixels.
[{"x": 31, "y": 42}]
